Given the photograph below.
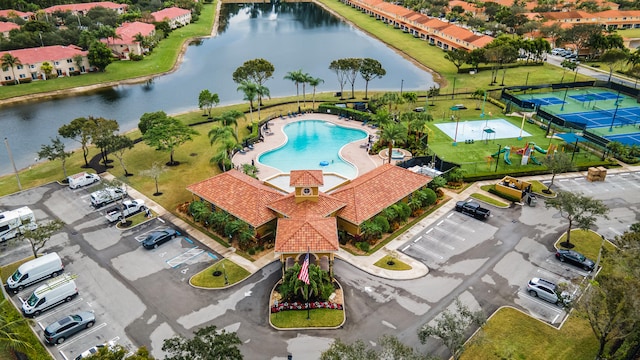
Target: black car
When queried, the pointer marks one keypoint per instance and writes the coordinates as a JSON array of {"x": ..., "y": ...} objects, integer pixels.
[
  {"x": 156, "y": 238},
  {"x": 576, "y": 259}
]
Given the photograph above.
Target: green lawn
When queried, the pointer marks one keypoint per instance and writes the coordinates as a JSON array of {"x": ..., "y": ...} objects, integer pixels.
[
  {"x": 489, "y": 200},
  {"x": 206, "y": 279},
  {"x": 586, "y": 242},
  {"x": 298, "y": 318},
  {"x": 396, "y": 266}
]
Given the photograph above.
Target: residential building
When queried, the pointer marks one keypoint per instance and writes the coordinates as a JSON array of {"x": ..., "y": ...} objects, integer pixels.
[
  {"x": 445, "y": 35},
  {"x": 176, "y": 17},
  {"x": 125, "y": 44},
  {"x": 61, "y": 58},
  {"x": 9, "y": 14},
  {"x": 5, "y": 27},
  {"x": 83, "y": 8},
  {"x": 612, "y": 19}
]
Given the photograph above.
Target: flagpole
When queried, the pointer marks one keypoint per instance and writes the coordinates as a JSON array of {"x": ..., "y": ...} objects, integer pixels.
[{"x": 308, "y": 310}]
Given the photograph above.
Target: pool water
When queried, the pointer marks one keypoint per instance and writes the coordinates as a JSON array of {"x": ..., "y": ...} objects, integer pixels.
[{"x": 311, "y": 142}]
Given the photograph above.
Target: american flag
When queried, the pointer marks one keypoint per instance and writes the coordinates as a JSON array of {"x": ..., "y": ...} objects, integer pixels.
[{"x": 304, "y": 271}]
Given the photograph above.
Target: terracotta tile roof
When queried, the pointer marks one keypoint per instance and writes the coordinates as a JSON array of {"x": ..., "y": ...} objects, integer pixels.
[
  {"x": 325, "y": 206},
  {"x": 507, "y": 3},
  {"x": 8, "y": 26},
  {"x": 374, "y": 191},
  {"x": 45, "y": 53},
  {"x": 562, "y": 15},
  {"x": 169, "y": 13},
  {"x": 481, "y": 41},
  {"x": 617, "y": 13},
  {"x": 463, "y": 4},
  {"x": 15, "y": 13},
  {"x": 84, "y": 7},
  {"x": 128, "y": 31},
  {"x": 301, "y": 178},
  {"x": 436, "y": 24},
  {"x": 300, "y": 235},
  {"x": 395, "y": 9},
  {"x": 240, "y": 195}
]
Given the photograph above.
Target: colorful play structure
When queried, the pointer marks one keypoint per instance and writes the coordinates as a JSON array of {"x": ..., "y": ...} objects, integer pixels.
[{"x": 526, "y": 153}]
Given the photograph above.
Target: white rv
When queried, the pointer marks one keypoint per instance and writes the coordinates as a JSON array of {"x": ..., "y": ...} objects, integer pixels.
[
  {"x": 15, "y": 222},
  {"x": 61, "y": 289},
  {"x": 35, "y": 270}
]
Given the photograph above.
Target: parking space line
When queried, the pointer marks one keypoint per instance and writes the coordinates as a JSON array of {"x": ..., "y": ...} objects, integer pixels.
[
  {"x": 142, "y": 236},
  {"x": 82, "y": 335},
  {"x": 406, "y": 247},
  {"x": 541, "y": 302},
  {"x": 418, "y": 239},
  {"x": 440, "y": 223},
  {"x": 58, "y": 308},
  {"x": 63, "y": 355},
  {"x": 450, "y": 215},
  {"x": 429, "y": 252},
  {"x": 428, "y": 231},
  {"x": 440, "y": 243},
  {"x": 184, "y": 257},
  {"x": 555, "y": 318},
  {"x": 450, "y": 234},
  {"x": 615, "y": 231},
  {"x": 212, "y": 255}
]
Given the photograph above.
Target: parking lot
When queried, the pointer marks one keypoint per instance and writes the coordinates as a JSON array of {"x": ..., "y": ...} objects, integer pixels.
[
  {"x": 107, "y": 262},
  {"x": 141, "y": 297}
]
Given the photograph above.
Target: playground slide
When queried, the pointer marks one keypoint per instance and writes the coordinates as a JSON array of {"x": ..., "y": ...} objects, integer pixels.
[
  {"x": 506, "y": 155},
  {"x": 499, "y": 152},
  {"x": 534, "y": 160},
  {"x": 539, "y": 149}
]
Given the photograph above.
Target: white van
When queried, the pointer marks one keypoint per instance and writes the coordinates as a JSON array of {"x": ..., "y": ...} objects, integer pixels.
[
  {"x": 82, "y": 179},
  {"x": 61, "y": 289},
  {"x": 35, "y": 270}
]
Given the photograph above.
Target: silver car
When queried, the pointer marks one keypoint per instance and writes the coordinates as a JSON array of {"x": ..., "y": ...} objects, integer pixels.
[
  {"x": 544, "y": 289},
  {"x": 60, "y": 330}
]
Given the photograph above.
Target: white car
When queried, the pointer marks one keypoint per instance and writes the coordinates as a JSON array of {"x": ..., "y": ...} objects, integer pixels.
[
  {"x": 82, "y": 179},
  {"x": 85, "y": 354}
]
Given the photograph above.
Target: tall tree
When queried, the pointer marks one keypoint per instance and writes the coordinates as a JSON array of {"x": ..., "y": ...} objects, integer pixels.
[
  {"x": 369, "y": 70},
  {"x": 257, "y": 71},
  {"x": 154, "y": 172},
  {"x": 100, "y": 55},
  {"x": 38, "y": 236},
  {"x": 352, "y": 71},
  {"x": 580, "y": 35},
  {"x": 557, "y": 163},
  {"x": 340, "y": 67},
  {"x": 207, "y": 344},
  {"x": 55, "y": 151},
  {"x": 390, "y": 348},
  {"x": 118, "y": 145},
  {"x": 457, "y": 57},
  {"x": 614, "y": 59},
  {"x": 250, "y": 91},
  {"x": 226, "y": 137},
  {"x": 101, "y": 131},
  {"x": 230, "y": 118},
  {"x": 9, "y": 61},
  {"x": 78, "y": 130},
  {"x": 263, "y": 92},
  {"x": 552, "y": 31},
  {"x": 167, "y": 134},
  {"x": 11, "y": 337},
  {"x": 207, "y": 100},
  {"x": 451, "y": 327},
  {"x": 297, "y": 77},
  {"x": 314, "y": 82},
  {"x": 579, "y": 209}
]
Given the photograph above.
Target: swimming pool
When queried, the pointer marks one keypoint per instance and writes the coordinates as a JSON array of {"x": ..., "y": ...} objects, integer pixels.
[{"x": 310, "y": 143}]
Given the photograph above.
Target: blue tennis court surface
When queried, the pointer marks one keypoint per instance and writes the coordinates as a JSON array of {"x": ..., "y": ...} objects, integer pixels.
[
  {"x": 625, "y": 139},
  {"x": 600, "y": 118},
  {"x": 544, "y": 101},
  {"x": 594, "y": 96}
]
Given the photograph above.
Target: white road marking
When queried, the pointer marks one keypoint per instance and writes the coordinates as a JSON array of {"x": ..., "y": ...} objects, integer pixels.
[
  {"x": 450, "y": 215},
  {"x": 429, "y": 252},
  {"x": 440, "y": 243},
  {"x": 247, "y": 293},
  {"x": 418, "y": 239},
  {"x": 555, "y": 318},
  {"x": 440, "y": 223},
  {"x": 388, "y": 324},
  {"x": 428, "y": 231},
  {"x": 615, "y": 231},
  {"x": 81, "y": 335},
  {"x": 406, "y": 247}
]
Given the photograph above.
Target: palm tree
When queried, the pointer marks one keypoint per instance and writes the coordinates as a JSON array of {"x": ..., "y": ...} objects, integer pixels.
[
  {"x": 262, "y": 92},
  {"x": 297, "y": 77},
  {"x": 9, "y": 61},
  {"x": 314, "y": 82},
  {"x": 225, "y": 136},
  {"x": 11, "y": 338},
  {"x": 229, "y": 118},
  {"x": 392, "y": 133},
  {"x": 305, "y": 80},
  {"x": 250, "y": 91}
]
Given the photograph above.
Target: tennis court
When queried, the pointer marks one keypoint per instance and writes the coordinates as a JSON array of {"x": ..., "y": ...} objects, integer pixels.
[{"x": 612, "y": 115}]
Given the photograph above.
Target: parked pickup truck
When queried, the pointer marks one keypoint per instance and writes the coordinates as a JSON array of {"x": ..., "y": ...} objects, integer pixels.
[
  {"x": 108, "y": 195},
  {"x": 129, "y": 207},
  {"x": 473, "y": 209}
]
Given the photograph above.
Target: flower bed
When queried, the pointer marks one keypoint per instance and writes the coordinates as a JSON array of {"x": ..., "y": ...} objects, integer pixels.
[{"x": 303, "y": 306}]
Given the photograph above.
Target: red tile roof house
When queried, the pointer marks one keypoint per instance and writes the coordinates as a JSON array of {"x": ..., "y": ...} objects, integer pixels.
[
  {"x": 83, "y": 8},
  {"x": 9, "y": 14},
  {"x": 125, "y": 44},
  {"x": 307, "y": 219},
  {"x": 5, "y": 27},
  {"x": 60, "y": 57},
  {"x": 176, "y": 17}
]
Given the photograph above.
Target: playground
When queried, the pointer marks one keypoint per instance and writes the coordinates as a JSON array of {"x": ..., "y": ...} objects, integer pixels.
[{"x": 527, "y": 153}]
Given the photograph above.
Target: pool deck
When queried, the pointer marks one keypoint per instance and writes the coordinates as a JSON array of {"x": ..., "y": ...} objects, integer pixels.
[{"x": 355, "y": 152}]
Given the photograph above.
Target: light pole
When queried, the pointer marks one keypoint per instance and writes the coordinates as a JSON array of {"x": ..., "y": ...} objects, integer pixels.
[
  {"x": 401, "y": 85},
  {"x": 575, "y": 148},
  {"x": 615, "y": 112},
  {"x": 453, "y": 92},
  {"x": 6, "y": 142},
  {"x": 526, "y": 82},
  {"x": 498, "y": 157}
]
